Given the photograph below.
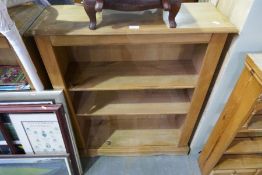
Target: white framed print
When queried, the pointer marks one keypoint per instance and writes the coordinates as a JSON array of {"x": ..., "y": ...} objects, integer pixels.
[{"x": 39, "y": 133}]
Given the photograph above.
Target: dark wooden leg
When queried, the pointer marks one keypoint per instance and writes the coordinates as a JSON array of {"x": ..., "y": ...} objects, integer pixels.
[
  {"x": 99, "y": 5},
  {"x": 166, "y": 4},
  {"x": 175, "y": 7},
  {"x": 91, "y": 12}
]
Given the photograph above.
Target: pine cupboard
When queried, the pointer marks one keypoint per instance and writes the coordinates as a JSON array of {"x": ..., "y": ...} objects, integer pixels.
[
  {"x": 134, "y": 86},
  {"x": 235, "y": 144}
]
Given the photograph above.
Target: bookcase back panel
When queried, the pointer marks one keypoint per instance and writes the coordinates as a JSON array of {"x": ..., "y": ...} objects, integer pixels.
[
  {"x": 145, "y": 52},
  {"x": 139, "y": 134},
  {"x": 8, "y": 57}
]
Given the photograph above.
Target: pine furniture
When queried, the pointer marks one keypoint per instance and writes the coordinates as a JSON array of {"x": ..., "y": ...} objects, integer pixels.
[
  {"x": 235, "y": 144},
  {"x": 134, "y": 86}
]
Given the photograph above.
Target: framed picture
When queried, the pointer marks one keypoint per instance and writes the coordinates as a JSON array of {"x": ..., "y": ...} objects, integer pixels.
[
  {"x": 52, "y": 113},
  {"x": 39, "y": 133},
  {"x": 35, "y": 165}
]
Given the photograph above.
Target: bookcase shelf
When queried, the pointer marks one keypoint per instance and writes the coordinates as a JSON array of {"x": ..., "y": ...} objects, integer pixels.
[
  {"x": 141, "y": 142},
  {"x": 132, "y": 103},
  {"x": 245, "y": 146},
  {"x": 132, "y": 92},
  {"x": 133, "y": 135},
  {"x": 238, "y": 162},
  {"x": 126, "y": 75}
]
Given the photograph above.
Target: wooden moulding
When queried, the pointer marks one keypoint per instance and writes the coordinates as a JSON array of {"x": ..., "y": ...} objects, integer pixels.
[
  {"x": 126, "y": 75},
  {"x": 129, "y": 39},
  {"x": 132, "y": 135},
  {"x": 236, "y": 172}
]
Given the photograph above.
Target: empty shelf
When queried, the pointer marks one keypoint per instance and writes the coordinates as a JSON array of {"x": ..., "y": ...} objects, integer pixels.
[
  {"x": 126, "y": 75},
  {"x": 140, "y": 142},
  {"x": 132, "y": 103}
]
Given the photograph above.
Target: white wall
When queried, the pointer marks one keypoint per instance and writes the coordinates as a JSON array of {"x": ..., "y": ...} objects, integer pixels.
[{"x": 249, "y": 40}]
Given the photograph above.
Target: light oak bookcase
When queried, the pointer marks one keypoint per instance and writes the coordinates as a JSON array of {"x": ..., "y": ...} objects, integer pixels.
[
  {"x": 132, "y": 92},
  {"x": 235, "y": 144}
]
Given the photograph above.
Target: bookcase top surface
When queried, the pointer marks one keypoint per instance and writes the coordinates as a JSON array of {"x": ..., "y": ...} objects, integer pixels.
[
  {"x": 24, "y": 15},
  {"x": 72, "y": 20}
]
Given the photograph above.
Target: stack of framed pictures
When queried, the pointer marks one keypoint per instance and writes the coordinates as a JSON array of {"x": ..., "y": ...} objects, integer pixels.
[{"x": 34, "y": 124}]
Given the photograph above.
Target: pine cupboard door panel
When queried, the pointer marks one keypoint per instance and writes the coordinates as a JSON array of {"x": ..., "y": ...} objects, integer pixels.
[
  {"x": 236, "y": 106},
  {"x": 235, "y": 142}
]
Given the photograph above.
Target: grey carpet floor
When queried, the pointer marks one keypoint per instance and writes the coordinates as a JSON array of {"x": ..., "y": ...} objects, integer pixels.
[{"x": 148, "y": 165}]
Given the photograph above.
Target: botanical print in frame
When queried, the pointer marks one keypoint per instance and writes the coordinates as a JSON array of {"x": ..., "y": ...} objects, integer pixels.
[{"x": 39, "y": 133}]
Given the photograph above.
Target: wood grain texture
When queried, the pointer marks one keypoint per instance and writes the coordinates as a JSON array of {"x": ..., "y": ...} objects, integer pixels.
[
  {"x": 207, "y": 70},
  {"x": 245, "y": 146},
  {"x": 234, "y": 116},
  {"x": 8, "y": 57},
  {"x": 132, "y": 75},
  {"x": 24, "y": 15},
  {"x": 132, "y": 103},
  {"x": 129, "y": 39},
  {"x": 142, "y": 142},
  {"x": 72, "y": 20},
  {"x": 4, "y": 43},
  {"x": 137, "y": 52},
  {"x": 132, "y": 135}
]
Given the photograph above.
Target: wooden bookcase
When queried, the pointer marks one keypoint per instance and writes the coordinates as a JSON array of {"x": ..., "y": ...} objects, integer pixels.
[
  {"x": 235, "y": 144},
  {"x": 23, "y": 16},
  {"x": 132, "y": 92}
]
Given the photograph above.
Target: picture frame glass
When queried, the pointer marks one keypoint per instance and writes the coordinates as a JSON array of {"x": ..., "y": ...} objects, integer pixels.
[
  {"x": 37, "y": 131},
  {"x": 35, "y": 166}
]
